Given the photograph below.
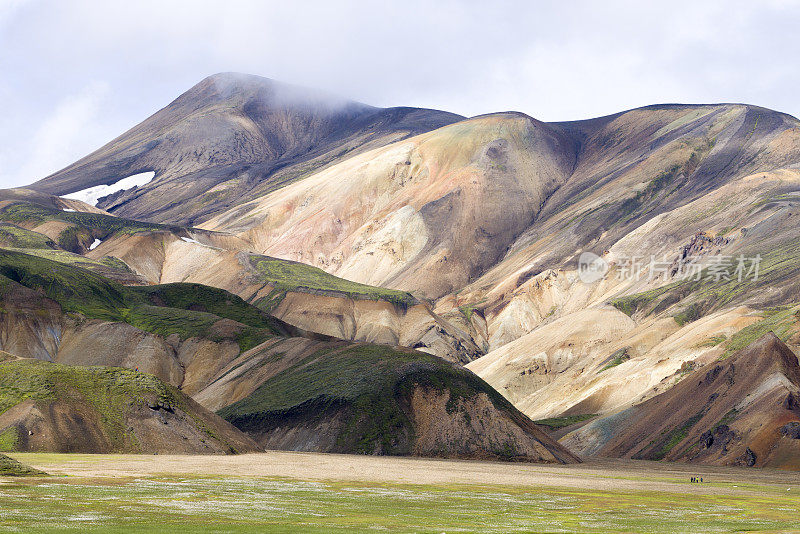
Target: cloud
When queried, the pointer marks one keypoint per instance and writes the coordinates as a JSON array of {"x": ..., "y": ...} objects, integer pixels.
[
  {"x": 553, "y": 61},
  {"x": 9, "y": 7},
  {"x": 71, "y": 129}
]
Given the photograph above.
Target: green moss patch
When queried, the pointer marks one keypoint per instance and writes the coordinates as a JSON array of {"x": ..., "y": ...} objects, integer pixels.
[
  {"x": 672, "y": 438},
  {"x": 27, "y": 212},
  {"x": 617, "y": 358},
  {"x": 16, "y": 237},
  {"x": 631, "y": 304},
  {"x": 556, "y": 423},
  {"x": 288, "y": 275},
  {"x": 75, "y": 289},
  {"x": 189, "y": 310},
  {"x": 70, "y": 258},
  {"x": 109, "y": 391},
  {"x": 691, "y": 313},
  {"x": 779, "y": 320},
  {"x": 713, "y": 341},
  {"x": 9, "y": 467},
  {"x": 9, "y": 438}
]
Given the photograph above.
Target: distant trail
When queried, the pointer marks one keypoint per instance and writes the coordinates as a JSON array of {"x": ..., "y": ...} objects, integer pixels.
[{"x": 604, "y": 475}]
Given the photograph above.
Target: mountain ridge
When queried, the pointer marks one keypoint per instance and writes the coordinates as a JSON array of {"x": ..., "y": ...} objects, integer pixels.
[{"x": 483, "y": 220}]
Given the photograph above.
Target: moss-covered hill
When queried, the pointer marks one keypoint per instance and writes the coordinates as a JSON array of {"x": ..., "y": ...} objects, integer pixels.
[
  {"x": 17, "y": 237},
  {"x": 189, "y": 310},
  {"x": 287, "y": 275},
  {"x": 51, "y": 407},
  {"x": 373, "y": 399},
  {"x": 338, "y": 397},
  {"x": 73, "y": 232},
  {"x": 79, "y": 228}
]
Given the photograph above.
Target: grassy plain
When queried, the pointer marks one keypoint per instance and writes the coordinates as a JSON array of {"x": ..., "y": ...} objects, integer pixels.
[{"x": 286, "y": 492}]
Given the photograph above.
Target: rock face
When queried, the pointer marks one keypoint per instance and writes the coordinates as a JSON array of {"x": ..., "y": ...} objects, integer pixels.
[{"x": 740, "y": 411}]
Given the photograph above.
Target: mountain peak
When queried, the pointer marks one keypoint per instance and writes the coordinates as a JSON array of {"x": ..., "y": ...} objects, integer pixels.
[{"x": 250, "y": 89}]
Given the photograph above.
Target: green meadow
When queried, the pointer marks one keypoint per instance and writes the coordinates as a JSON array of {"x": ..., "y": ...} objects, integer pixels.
[{"x": 176, "y": 504}]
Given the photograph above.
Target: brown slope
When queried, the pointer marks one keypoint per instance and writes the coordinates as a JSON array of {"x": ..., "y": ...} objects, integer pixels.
[
  {"x": 744, "y": 410},
  {"x": 230, "y": 137},
  {"x": 58, "y": 408}
]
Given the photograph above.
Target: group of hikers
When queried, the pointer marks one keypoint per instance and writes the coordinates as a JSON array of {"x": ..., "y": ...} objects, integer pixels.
[{"x": 697, "y": 479}]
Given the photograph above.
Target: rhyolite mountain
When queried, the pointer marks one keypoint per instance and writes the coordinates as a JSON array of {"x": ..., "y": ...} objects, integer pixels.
[
  {"x": 233, "y": 137},
  {"x": 742, "y": 410},
  {"x": 479, "y": 221},
  {"x": 91, "y": 365}
]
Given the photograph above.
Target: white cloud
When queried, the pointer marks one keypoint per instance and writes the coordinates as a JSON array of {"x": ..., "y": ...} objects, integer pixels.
[
  {"x": 554, "y": 61},
  {"x": 71, "y": 129},
  {"x": 9, "y": 7}
]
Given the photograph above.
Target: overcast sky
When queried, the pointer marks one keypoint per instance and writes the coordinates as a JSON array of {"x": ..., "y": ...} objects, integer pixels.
[{"x": 75, "y": 74}]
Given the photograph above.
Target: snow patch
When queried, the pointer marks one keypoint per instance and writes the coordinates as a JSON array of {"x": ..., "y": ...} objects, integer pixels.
[
  {"x": 92, "y": 194},
  {"x": 68, "y": 209},
  {"x": 94, "y": 244},
  {"x": 196, "y": 242}
]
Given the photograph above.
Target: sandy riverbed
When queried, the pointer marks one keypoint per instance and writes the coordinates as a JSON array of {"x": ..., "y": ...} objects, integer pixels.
[{"x": 600, "y": 475}]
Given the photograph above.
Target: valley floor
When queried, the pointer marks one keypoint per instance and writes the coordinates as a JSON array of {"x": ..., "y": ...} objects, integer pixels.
[{"x": 284, "y": 491}]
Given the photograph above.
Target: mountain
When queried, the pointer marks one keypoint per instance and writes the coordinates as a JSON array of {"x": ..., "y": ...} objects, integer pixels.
[
  {"x": 744, "y": 410},
  {"x": 137, "y": 253},
  {"x": 461, "y": 237},
  {"x": 230, "y": 138},
  {"x": 111, "y": 368}
]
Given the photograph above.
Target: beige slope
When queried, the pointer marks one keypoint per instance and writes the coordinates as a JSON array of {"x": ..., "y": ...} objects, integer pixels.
[
  {"x": 724, "y": 212},
  {"x": 740, "y": 411},
  {"x": 537, "y": 358},
  {"x": 426, "y": 214},
  {"x": 217, "y": 260}
]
